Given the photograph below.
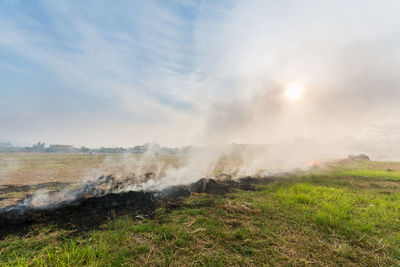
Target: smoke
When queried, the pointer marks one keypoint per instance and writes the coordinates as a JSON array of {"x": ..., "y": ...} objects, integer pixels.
[
  {"x": 227, "y": 68},
  {"x": 230, "y": 100}
]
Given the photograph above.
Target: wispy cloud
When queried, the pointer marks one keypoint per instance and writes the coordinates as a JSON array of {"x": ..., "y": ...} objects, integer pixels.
[{"x": 179, "y": 72}]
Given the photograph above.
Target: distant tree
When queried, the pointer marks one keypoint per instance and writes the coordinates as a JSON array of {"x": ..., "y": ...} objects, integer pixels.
[
  {"x": 84, "y": 149},
  {"x": 39, "y": 147},
  {"x": 6, "y": 147}
]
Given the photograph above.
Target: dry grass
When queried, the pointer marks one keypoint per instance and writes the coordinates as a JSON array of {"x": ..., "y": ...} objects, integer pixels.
[{"x": 35, "y": 168}]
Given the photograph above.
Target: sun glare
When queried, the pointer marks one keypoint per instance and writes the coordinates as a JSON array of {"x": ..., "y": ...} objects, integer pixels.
[{"x": 294, "y": 91}]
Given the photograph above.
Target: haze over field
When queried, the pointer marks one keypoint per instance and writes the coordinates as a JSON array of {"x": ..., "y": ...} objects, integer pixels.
[{"x": 306, "y": 75}]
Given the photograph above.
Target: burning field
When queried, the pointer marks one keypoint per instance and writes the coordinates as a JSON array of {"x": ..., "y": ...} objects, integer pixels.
[
  {"x": 43, "y": 179},
  {"x": 135, "y": 184},
  {"x": 94, "y": 201},
  {"x": 342, "y": 212}
]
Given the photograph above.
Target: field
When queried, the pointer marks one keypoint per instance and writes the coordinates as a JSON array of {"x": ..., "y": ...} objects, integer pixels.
[
  {"x": 25, "y": 173},
  {"x": 343, "y": 213},
  {"x": 34, "y": 168}
]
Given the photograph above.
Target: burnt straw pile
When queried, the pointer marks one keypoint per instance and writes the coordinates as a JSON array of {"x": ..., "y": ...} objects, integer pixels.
[{"x": 95, "y": 201}]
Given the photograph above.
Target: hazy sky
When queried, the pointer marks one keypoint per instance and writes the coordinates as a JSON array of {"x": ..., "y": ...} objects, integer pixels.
[{"x": 121, "y": 73}]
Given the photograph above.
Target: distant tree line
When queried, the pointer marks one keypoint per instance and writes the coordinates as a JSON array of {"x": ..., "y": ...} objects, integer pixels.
[{"x": 41, "y": 147}]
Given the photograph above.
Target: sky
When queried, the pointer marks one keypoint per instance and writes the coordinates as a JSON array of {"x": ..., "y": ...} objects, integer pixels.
[{"x": 122, "y": 73}]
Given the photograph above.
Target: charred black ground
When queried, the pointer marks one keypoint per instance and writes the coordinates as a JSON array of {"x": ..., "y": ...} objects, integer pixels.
[{"x": 95, "y": 203}]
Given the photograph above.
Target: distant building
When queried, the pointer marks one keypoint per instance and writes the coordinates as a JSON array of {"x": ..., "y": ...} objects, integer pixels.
[{"x": 61, "y": 148}]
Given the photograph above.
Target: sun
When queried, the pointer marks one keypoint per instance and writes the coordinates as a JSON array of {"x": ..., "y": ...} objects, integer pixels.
[{"x": 294, "y": 91}]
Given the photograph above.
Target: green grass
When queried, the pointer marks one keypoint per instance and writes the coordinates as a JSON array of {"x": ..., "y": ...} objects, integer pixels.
[
  {"x": 380, "y": 174},
  {"x": 363, "y": 168},
  {"x": 337, "y": 217}
]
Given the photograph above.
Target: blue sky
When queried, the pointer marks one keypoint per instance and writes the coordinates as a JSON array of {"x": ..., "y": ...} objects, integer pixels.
[
  {"x": 66, "y": 63},
  {"x": 127, "y": 72}
]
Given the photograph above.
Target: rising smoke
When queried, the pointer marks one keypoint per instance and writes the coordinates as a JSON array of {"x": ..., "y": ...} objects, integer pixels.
[{"x": 346, "y": 56}]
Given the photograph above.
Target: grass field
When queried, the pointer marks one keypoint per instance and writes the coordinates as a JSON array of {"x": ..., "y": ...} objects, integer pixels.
[
  {"x": 347, "y": 213},
  {"x": 33, "y": 168}
]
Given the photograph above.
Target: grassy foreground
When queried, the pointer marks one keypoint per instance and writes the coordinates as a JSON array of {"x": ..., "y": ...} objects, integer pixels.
[{"x": 345, "y": 216}]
